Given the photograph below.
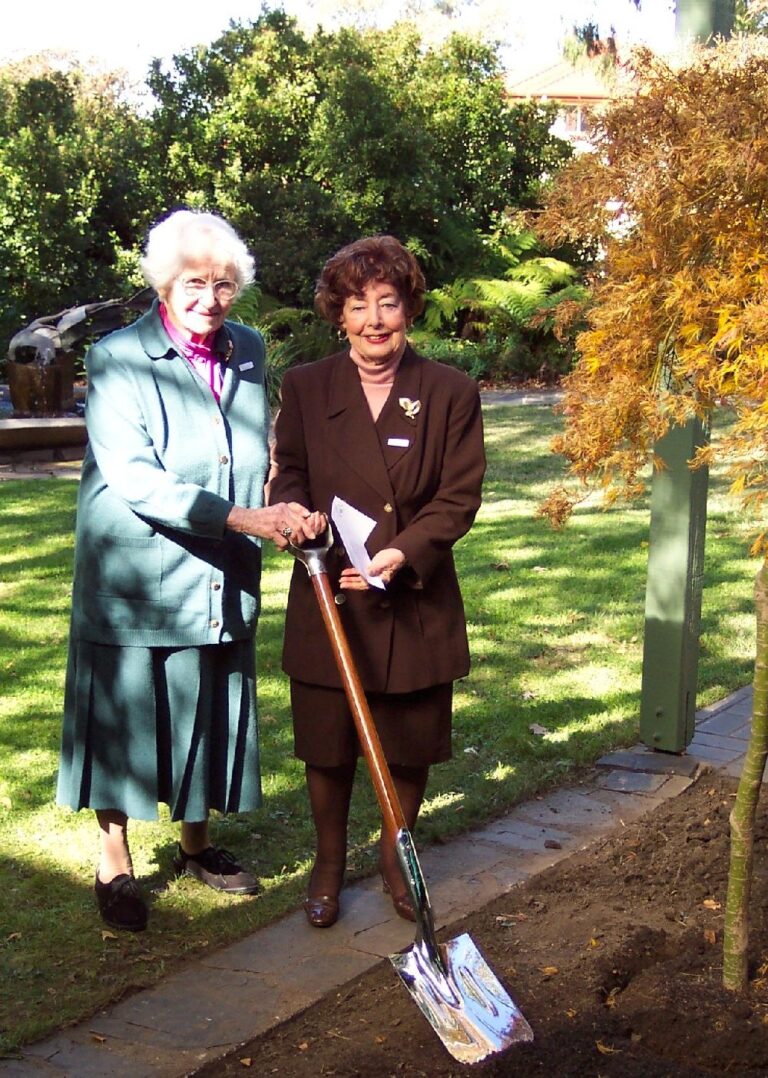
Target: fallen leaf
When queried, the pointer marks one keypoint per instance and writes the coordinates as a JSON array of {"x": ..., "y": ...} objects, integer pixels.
[
  {"x": 246, "y": 1062},
  {"x": 594, "y": 943},
  {"x": 537, "y": 730},
  {"x": 506, "y": 920},
  {"x": 549, "y": 971},
  {"x": 379, "y": 1040},
  {"x": 105, "y": 935},
  {"x": 303, "y": 1046},
  {"x": 710, "y": 904},
  {"x": 98, "y": 1038},
  {"x": 710, "y": 936},
  {"x": 552, "y": 844},
  {"x": 570, "y": 1013},
  {"x": 606, "y": 1050},
  {"x": 13, "y": 936}
]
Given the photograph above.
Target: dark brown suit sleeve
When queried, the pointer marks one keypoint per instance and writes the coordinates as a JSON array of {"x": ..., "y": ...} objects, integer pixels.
[
  {"x": 450, "y": 512},
  {"x": 291, "y": 481}
]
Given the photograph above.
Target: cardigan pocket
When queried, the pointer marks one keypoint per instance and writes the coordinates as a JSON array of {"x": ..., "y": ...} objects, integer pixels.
[{"x": 129, "y": 567}]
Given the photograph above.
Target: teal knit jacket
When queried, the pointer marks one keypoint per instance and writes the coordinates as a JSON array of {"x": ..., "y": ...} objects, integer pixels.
[{"x": 154, "y": 562}]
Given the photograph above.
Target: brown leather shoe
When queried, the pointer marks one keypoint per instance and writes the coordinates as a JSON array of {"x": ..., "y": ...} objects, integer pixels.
[
  {"x": 120, "y": 903},
  {"x": 322, "y": 910},
  {"x": 402, "y": 903}
]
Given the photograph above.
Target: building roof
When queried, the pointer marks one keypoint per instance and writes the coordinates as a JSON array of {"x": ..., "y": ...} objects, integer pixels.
[{"x": 563, "y": 82}]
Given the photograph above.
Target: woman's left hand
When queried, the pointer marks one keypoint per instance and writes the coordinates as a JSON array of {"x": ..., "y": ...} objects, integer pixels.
[{"x": 384, "y": 564}]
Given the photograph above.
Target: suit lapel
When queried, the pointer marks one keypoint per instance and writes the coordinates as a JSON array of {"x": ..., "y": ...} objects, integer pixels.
[
  {"x": 351, "y": 432},
  {"x": 397, "y": 426}
]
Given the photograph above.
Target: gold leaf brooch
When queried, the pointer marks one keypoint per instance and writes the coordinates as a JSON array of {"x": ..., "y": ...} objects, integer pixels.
[{"x": 411, "y": 408}]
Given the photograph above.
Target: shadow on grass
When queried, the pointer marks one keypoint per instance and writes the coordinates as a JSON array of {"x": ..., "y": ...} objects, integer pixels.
[{"x": 555, "y": 623}]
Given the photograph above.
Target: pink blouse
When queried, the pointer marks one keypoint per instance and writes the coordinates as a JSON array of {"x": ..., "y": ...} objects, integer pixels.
[{"x": 205, "y": 363}]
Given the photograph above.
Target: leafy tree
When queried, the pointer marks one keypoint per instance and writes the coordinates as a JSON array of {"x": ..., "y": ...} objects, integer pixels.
[
  {"x": 73, "y": 162},
  {"x": 307, "y": 143},
  {"x": 675, "y": 195}
]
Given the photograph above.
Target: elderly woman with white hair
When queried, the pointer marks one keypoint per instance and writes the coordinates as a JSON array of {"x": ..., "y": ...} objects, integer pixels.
[{"x": 160, "y": 690}]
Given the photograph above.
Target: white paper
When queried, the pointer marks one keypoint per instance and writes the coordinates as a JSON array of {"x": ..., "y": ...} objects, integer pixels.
[{"x": 354, "y": 528}]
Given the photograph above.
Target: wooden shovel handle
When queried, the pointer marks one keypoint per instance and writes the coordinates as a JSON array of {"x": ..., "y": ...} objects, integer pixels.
[{"x": 389, "y": 802}]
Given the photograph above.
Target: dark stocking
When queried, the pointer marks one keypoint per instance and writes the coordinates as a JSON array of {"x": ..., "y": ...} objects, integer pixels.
[
  {"x": 410, "y": 783},
  {"x": 330, "y": 790}
]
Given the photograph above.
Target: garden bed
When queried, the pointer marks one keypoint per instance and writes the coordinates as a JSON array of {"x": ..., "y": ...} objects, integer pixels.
[{"x": 614, "y": 956}]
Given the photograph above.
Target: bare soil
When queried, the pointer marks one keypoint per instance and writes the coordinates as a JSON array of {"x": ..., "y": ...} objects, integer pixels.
[{"x": 614, "y": 956}]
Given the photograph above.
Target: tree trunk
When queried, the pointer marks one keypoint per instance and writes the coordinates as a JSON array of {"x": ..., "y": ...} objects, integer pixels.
[{"x": 736, "y": 938}]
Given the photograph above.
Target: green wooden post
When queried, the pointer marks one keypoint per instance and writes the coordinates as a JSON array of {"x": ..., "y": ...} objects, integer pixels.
[
  {"x": 673, "y": 592},
  {"x": 678, "y": 522},
  {"x": 702, "y": 19}
]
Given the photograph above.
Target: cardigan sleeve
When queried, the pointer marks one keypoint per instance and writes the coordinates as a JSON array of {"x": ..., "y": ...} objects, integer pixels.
[
  {"x": 127, "y": 457},
  {"x": 449, "y": 514}
]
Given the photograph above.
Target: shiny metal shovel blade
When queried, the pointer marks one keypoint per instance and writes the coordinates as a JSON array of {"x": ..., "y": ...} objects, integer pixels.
[{"x": 461, "y": 998}]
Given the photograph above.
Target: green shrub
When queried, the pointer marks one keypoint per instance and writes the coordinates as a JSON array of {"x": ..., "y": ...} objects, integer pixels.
[{"x": 293, "y": 335}]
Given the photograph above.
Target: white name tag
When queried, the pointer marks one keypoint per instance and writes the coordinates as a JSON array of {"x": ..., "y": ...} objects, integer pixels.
[
  {"x": 246, "y": 366},
  {"x": 401, "y": 443}
]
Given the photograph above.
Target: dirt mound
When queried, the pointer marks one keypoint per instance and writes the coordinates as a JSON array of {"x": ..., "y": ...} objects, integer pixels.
[{"x": 614, "y": 957}]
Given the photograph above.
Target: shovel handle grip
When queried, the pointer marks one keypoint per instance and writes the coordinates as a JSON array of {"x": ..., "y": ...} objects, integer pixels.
[{"x": 386, "y": 794}]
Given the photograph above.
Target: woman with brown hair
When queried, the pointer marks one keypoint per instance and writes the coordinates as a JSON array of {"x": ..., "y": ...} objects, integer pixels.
[{"x": 400, "y": 439}]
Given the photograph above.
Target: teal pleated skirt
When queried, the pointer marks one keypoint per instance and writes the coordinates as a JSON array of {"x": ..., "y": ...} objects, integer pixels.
[{"x": 176, "y": 726}]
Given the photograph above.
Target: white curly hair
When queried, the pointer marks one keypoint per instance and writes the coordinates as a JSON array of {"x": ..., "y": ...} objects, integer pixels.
[{"x": 187, "y": 234}]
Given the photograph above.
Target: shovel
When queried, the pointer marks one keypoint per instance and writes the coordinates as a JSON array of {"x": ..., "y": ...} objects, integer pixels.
[{"x": 451, "y": 982}]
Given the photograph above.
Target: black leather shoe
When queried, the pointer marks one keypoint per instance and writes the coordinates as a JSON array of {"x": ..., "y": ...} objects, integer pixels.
[
  {"x": 216, "y": 868},
  {"x": 402, "y": 904},
  {"x": 121, "y": 904},
  {"x": 322, "y": 910}
]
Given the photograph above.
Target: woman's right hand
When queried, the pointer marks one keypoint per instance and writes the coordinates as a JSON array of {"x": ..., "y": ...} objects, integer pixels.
[{"x": 283, "y": 522}]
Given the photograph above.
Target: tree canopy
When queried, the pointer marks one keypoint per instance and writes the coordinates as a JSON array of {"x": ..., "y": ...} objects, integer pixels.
[
  {"x": 675, "y": 197},
  {"x": 303, "y": 142},
  {"x": 307, "y": 143},
  {"x": 74, "y": 183}
]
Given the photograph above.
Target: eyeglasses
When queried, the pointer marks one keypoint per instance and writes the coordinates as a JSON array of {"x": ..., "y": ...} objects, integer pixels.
[{"x": 222, "y": 290}]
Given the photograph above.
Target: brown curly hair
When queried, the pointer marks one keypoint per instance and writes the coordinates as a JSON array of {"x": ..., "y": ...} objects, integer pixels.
[{"x": 373, "y": 258}]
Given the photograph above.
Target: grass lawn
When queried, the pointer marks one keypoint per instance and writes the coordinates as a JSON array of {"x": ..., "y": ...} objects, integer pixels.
[{"x": 555, "y": 623}]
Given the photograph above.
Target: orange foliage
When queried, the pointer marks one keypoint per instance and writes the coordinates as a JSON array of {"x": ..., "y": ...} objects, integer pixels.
[{"x": 676, "y": 197}]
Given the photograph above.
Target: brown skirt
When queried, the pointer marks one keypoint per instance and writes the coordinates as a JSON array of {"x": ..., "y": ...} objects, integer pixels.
[{"x": 414, "y": 727}]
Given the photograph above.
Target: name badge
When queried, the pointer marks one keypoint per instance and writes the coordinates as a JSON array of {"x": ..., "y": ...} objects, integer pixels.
[
  {"x": 401, "y": 443},
  {"x": 246, "y": 366}
]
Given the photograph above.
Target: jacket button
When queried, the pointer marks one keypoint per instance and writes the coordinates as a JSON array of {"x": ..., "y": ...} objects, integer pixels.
[
  {"x": 340, "y": 599},
  {"x": 214, "y": 623},
  {"x": 388, "y": 508},
  {"x": 216, "y": 586},
  {"x": 223, "y": 459}
]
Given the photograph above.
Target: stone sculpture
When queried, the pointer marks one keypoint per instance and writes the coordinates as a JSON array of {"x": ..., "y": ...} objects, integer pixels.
[{"x": 42, "y": 356}]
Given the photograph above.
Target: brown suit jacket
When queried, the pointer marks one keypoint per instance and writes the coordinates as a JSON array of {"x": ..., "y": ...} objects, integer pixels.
[{"x": 423, "y": 497}]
